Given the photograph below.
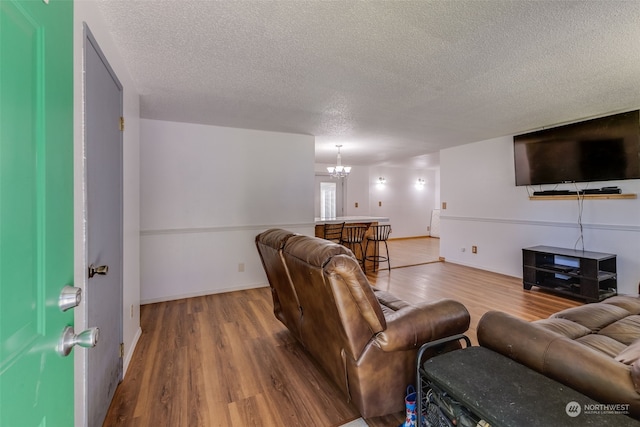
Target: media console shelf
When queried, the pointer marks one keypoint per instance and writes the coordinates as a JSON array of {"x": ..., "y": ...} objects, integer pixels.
[
  {"x": 586, "y": 196},
  {"x": 581, "y": 274}
]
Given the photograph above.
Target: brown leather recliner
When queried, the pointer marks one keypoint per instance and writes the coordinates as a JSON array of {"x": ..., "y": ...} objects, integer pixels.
[
  {"x": 365, "y": 339},
  {"x": 286, "y": 306},
  {"x": 594, "y": 348}
]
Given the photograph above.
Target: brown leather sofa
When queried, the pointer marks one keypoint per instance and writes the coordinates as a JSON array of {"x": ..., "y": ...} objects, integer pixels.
[
  {"x": 594, "y": 348},
  {"x": 365, "y": 339}
]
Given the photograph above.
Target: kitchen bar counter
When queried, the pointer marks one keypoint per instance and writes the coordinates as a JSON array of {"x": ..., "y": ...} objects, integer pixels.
[{"x": 354, "y": 220}]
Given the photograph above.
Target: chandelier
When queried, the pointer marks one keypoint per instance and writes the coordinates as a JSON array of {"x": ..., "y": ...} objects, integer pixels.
[{"x": 339, "y": 171}]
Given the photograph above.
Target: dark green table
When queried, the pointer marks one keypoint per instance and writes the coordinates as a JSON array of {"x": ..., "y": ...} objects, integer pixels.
[{"x": 505, "y": 393}]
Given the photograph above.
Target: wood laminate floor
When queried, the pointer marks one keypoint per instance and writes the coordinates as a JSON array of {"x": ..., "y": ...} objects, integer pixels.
[
  {"x": 224, "y": 360},
  {"x": 415, "y": 251}
]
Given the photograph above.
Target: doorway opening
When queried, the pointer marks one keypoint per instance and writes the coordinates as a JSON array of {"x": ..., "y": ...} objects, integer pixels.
[{"x": 329, "y": 197}]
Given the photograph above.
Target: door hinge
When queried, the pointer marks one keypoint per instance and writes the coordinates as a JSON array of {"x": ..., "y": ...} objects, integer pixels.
[
  {"x": 121, "y": 350},
  {"x": 122, "y": 123}
]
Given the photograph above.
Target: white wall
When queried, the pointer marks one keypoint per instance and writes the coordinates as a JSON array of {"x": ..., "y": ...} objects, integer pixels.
[
  {"x": 87, "y": 12},
  {"x": 486, "y": 209},
  {"x": 357, "y": 191},
  {"x": 206, "y": 192},
  {"x": 407, "y": 205}
]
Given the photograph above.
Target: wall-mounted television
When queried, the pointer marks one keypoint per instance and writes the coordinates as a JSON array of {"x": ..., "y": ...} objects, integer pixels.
[{"x": 602, "y": 149}]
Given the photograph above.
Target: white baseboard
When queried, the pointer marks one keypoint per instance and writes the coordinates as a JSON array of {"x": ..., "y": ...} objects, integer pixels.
[
  {"x": 358, "y": 423},
  {"x": 129, "y": 354},
  {"x": 202, "y": 293}
]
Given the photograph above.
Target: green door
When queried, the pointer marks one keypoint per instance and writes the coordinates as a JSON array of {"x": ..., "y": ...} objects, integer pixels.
[{"x": 36, "y": 210}]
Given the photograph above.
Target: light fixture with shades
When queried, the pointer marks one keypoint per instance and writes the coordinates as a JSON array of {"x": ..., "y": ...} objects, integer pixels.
[
  {"x": 420, "y": 182},
  {"x": 339, "y": 171},
  {"x": 382, "y": 180}
]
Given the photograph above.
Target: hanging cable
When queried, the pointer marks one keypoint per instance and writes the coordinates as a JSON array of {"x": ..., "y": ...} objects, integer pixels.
[{"x": 580, "y": 196}]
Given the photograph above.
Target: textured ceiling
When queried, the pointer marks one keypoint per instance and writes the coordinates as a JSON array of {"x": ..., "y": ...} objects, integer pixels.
[{"x": 390, "y": 80}]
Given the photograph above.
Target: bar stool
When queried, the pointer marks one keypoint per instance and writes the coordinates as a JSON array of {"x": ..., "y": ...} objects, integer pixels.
[
  {"x": 380, "y": 233},
  {"x": 352, "y": 237},
  {"x": 333, "y": 232}
]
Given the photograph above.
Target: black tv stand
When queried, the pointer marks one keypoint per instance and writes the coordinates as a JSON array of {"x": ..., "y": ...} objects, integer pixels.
[{"x": 590, "y": 276}]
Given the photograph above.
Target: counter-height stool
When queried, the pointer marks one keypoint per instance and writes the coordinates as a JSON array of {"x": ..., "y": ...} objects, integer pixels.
[
  {"x": 333, "y": 232},
  {"x": 352, "y": 237},
  {"x": 379, "y": 233}
]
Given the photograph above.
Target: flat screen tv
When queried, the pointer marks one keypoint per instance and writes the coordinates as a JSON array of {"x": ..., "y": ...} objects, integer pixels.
[{"x": 601, "y": 149}]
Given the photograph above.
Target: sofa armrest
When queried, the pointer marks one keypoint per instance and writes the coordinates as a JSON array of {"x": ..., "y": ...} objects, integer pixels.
[
  {"x": 413, "y": 325},
  {"x": 558, "y": 357}
]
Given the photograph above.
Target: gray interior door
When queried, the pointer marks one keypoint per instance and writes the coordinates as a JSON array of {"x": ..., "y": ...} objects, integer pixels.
[{"x": 103, "y": 109}]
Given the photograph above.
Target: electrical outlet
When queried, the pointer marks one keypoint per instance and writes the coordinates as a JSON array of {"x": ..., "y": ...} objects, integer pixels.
[
  {"x": 241, "y": 267},
  {"x": 474, "y": 249},
  {"x": 356, "y": 204},
  {"x": 379, "y": 203},
  {"x": 444, "y": 205}
]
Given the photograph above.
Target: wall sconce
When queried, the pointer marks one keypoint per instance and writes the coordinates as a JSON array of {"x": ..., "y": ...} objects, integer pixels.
[
  {"x": 420, "y": 183},
  {"x": 381, "y": 180}
]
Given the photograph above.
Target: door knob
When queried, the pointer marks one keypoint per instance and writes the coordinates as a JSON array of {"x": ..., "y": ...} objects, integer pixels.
[
  {"x": 87, "y": 339},
  {"x": 101, "y": 269},
  {"x": 70, "y": 297}
]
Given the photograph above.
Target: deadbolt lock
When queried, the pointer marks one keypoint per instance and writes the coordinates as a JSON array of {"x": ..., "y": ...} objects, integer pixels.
[{"x": 70, "y": 297}]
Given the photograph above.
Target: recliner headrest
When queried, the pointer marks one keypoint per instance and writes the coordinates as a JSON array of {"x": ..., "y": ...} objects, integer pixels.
[
  {"x": 314, "y": 250},
  {"x": 274, "y": 237}
]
